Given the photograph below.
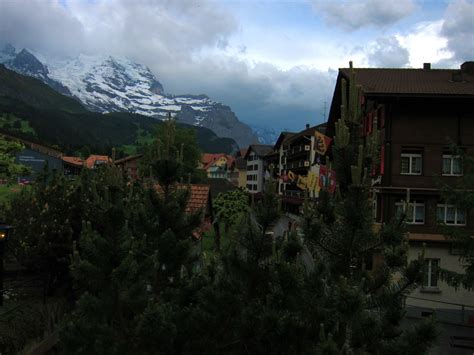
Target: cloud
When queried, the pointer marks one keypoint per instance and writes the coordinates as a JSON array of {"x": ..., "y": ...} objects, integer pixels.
[
  {"x": 352, "y": 14},
  {"x": 458, "y": 29},
  {"x": 43, "y": 25},
  {"x": 425, "y": 44},
  {"x": 387, "y": 52},
  {"x": 185, "y": 43}
]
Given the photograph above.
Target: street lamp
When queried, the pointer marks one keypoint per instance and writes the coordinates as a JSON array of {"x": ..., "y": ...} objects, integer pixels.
[{"x": 4, "y": 229}]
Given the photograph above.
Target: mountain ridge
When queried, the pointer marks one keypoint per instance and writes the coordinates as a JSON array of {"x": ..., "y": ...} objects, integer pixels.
[
  {"x": 60, "y": 120},
  {"x": 116, "y": 84}
]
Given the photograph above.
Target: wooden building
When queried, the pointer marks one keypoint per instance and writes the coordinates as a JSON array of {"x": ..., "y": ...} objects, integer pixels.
[
  {"x": 420, "y": 113},
  {"x": 129, "y": 166}
]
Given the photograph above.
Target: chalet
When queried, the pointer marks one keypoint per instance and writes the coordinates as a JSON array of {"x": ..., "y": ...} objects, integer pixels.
[
  {"x": 296, "y": 156},
  {"x": 256, "y": 166},
  {"x": 217, "y": 166},
  {"x": 420, "y": 113}
]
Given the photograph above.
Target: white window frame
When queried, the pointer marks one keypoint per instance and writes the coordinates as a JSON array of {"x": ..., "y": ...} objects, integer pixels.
[
  {"x": 410, "y": 157},
  {"x": 429, "y": 274},
  {"x": 445, "y": 213},
  {"x": 452, "y": 157},
  {"x": 412, "y": 219}
]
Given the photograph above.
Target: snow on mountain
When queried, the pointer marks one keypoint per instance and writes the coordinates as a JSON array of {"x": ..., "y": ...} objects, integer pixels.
[
  {"x": 106, "y": 83},
  {"x": 265, "y": 135}
]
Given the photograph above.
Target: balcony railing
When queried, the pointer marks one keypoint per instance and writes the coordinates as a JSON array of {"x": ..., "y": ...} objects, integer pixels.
[
  {"x": 296, "y": 164},
  {"x": 303, "y": 148}
]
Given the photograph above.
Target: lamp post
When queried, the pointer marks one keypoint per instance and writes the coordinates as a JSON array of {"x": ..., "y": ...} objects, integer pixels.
[{"x": 4, "y": 229}]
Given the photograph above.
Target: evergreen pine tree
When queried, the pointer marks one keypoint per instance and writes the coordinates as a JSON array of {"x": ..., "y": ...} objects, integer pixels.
[
  {"x": 362, "y": 306},
  {"x": 461, "y": 196}
]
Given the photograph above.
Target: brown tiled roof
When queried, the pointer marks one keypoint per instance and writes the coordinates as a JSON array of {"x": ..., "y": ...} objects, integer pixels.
[
  {"x": 199, "y": 197},
  {"x": 74, "y": 161},
  {"x": 412, "y": 81}
]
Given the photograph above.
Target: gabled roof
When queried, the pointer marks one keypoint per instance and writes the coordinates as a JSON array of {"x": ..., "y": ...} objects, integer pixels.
[
  {"x": 282, "y": 137},
  {"x": 91, "y": 161},
  {"x": 208, "y": 159},
  {"x": 385, "y": 81},
  {"x": 260, "y": 149}
]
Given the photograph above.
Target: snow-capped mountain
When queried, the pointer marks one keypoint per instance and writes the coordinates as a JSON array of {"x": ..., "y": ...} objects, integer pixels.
[
  {"x": 106, "y": 84},
  {"x": 266, "y": 135}
]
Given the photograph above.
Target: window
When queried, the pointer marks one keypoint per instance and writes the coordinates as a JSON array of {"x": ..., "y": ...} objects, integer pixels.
[
  {"x": 452, "y": 165},
  {"x": 415, "y": 212},
  {"x": 411, "y": 163},
  {"x": 451, "y": 215},
  {"x": 431, "y": 273}
]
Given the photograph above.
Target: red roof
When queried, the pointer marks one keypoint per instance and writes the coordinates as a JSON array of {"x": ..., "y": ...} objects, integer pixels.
[
  {"x": 208, "y": 159},
  {"x": 94, "y": 159},
  {"x": 74, "y": 161}
]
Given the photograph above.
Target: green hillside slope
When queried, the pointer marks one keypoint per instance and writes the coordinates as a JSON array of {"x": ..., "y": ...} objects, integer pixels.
[{"x": 32, "y": 110}]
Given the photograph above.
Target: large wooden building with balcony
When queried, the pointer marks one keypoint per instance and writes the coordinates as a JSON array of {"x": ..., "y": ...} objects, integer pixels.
[
  {"x": 420, "y": 113},
  {"x": 297, "y": 155}
]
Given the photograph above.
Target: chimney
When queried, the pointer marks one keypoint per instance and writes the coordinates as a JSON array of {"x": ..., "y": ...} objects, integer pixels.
[
  {"x": 307, "y": 125},
  {"x": 427, "y": 66},
  {"x": 467, "y": 67}
]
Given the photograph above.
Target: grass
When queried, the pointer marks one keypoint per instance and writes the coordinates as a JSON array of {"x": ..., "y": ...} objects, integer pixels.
[{"x": 143, "y": 137}]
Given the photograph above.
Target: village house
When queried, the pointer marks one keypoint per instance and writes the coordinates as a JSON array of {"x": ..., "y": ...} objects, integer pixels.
[
  {"x": 256, "y": 166},
  {"x": 420, "y": 113},
  {"x": 239, "y": 169},
  {"x": 217, "y": 166}
]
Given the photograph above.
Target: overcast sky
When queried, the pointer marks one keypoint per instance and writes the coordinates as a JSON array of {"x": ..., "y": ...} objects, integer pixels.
[{"x": 274, "y": 62}]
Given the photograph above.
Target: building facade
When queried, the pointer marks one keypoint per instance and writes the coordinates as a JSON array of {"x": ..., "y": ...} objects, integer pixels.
[
  {"x": 256, "y": 166},
  {"x": 420, "y": 114}
]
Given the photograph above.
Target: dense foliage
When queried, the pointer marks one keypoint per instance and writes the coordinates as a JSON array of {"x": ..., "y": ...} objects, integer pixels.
[
  {"x": 364, "y": 272},
  {"x": 9, "y": 169},
  {"x": 230, "y": 205}
]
